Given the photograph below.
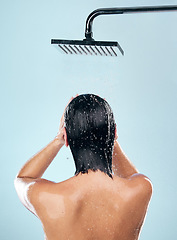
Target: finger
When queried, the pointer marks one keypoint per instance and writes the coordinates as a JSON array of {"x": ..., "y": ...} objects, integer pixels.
[
  {"x": 69, "y": 101},
  {"x": 72, "y": 98},
  {"x": 62, "y": 118}
]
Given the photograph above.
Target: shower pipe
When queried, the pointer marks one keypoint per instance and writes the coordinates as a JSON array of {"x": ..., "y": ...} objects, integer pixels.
[{"x": 124, "y": 10}]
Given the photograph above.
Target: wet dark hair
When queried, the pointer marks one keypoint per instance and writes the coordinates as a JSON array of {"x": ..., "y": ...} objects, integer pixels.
[{"x": 90, "y": 129}]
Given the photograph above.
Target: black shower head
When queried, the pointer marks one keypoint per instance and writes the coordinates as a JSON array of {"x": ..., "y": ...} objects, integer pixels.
[{"x": 88, "y": 47}]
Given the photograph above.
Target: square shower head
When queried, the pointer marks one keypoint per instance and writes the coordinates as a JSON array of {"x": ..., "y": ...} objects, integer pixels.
[{"x": 88, "y": 47}]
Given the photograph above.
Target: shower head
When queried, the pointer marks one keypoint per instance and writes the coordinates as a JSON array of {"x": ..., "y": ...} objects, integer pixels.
[{"x": 88, "y": 47}]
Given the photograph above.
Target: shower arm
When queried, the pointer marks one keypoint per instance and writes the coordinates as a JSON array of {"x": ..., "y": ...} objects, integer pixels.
[{"x": 110, "y": 11}]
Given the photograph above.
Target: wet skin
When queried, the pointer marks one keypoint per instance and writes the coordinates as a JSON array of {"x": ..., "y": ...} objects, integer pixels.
[
  {"x": 92, "y": 206},
  {"x": 88, "y": 206}
]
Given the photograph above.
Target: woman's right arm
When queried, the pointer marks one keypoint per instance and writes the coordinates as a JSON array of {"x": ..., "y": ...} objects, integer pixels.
[{"x": 122, "y": 166}]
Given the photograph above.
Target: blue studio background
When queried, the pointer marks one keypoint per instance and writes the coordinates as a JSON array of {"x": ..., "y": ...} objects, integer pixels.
[{"x": 37, "y": 82}]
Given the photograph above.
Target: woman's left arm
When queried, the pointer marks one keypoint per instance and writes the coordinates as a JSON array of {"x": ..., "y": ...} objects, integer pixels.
[
  {"x": 34, "y": 168},
  {"x": 37, "y": 165}
]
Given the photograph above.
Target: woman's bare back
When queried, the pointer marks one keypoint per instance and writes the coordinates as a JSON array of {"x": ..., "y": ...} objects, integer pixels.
[{"x": 93, "y": 206}]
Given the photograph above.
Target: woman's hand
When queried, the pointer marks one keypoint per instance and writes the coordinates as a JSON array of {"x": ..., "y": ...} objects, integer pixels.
[{"x": 61, "y": 133}]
